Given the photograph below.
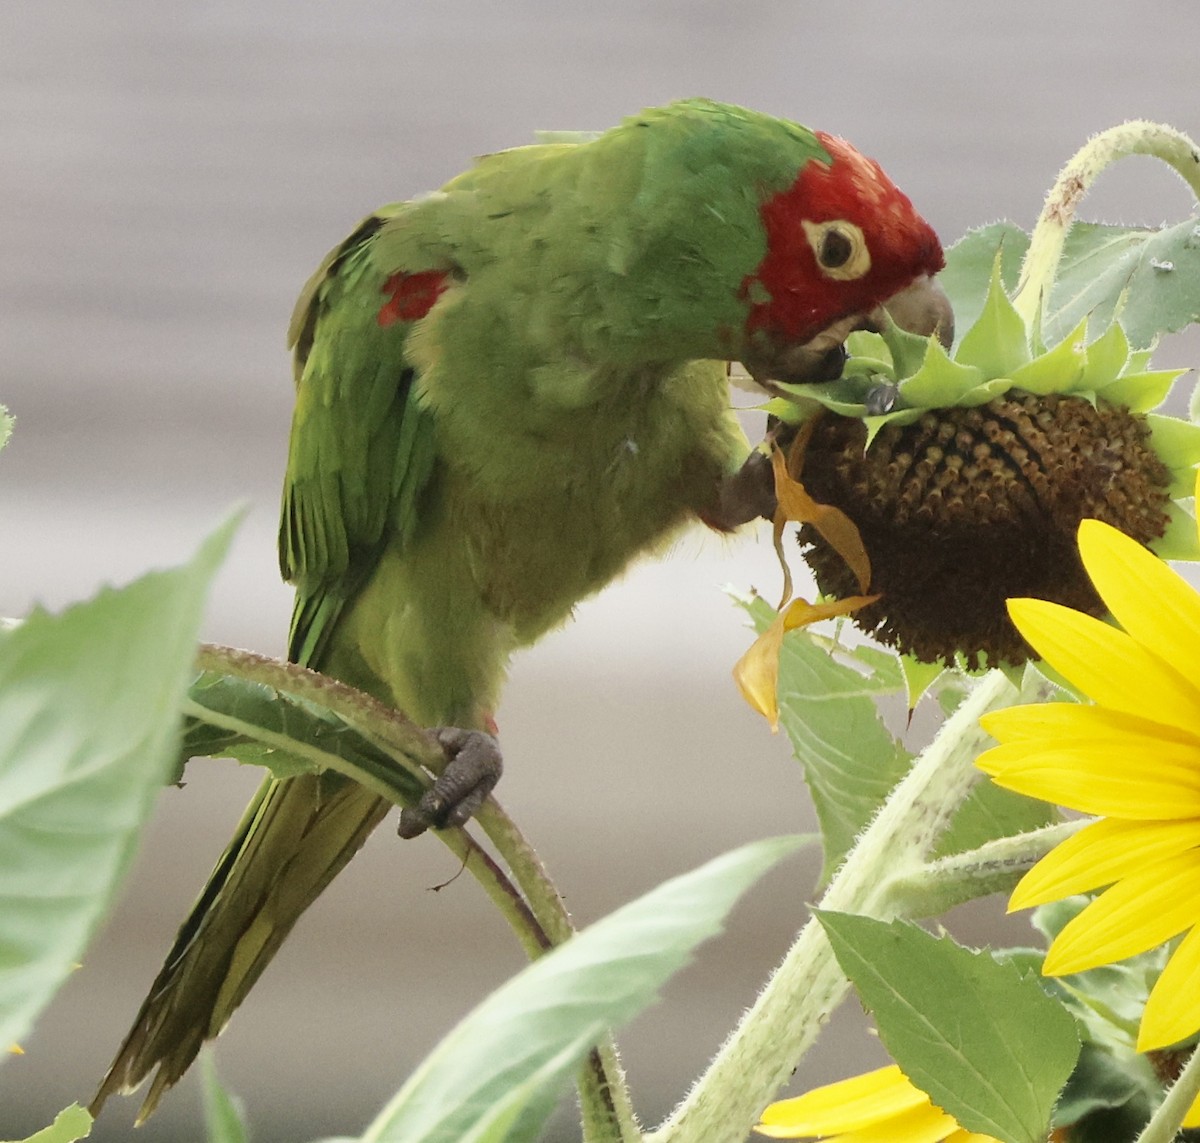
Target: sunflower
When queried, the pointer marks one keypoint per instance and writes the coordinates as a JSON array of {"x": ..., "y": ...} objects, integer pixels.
[
  {"x": 882, "y": 1104},
  {"x": 1131, "y": 758},
  {"x": 966, "y": 475}
]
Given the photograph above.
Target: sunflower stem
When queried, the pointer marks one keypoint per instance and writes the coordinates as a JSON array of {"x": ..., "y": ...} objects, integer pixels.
[
  {"x": 1166, "y": 1122},
  {"x": 808, "y": 984},
  {"x": 1138, "y": 137},
  {"x": 992, "y": 868}
]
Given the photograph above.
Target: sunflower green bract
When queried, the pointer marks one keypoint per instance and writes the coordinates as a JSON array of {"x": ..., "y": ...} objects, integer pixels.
[{"x": 506, "y": 390}]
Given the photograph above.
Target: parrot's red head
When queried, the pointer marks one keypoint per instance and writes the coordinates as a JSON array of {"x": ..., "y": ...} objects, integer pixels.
[{"x": 842, "y": 240}]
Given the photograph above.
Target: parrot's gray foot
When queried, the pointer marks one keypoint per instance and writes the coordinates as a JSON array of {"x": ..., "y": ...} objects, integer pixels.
[{"x": 473, "y": 767}]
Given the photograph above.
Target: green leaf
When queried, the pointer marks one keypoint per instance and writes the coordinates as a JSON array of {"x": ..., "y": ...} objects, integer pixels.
[
  {"x": 1178, "y": 446},
  {"x": 89, "y": 729},
  {"x": 223, "y": 1118},
  {"x": 1180, "y": 541},
  {"x": 70, "y": 1124},
  {"x": 939, "y": 382},
  {"x": 1106, "y": 357},
  {"x": 1102, "y": 1083},
  {"x": 998, "y": 343},
  {"x": 1056, "y": 370},
  {"x": 969, "y": 264},
  {"x": 498, "y": 1074},
  {"x": 982, "y": 1040},
  {"x": 6, "y": 426},
  {"x": 1150, "y": 279},
  {"x": 263, "y": 725},
  {"x": 827, "y": 706}
]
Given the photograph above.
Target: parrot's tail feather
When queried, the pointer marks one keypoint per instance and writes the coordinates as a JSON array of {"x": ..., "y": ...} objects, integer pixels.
[{"x": 294, "y": 838}]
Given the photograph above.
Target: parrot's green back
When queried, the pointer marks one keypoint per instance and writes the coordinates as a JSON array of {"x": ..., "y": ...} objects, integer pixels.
[{"x": 506, "y": 391}]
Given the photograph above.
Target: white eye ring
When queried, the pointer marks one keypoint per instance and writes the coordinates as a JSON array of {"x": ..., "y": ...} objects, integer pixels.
[{"x": 839, "y": 248}]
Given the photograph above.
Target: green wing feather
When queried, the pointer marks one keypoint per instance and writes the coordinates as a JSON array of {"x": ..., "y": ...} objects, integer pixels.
[{"x": 361, "y": 449}]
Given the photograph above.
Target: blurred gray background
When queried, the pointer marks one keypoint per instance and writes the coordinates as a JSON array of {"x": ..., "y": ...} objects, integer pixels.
[{"x": 170, "y": 173}]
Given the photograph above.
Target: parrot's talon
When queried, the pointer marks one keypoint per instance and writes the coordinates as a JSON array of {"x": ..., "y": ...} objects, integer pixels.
[{"x": 473, "y": 767}]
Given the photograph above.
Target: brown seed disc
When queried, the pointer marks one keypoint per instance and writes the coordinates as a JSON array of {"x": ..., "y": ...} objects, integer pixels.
[{"x": 968, "y": 507}]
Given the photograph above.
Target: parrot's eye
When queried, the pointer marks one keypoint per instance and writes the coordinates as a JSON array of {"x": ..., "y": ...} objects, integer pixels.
[{"x": 840, "y": 249}]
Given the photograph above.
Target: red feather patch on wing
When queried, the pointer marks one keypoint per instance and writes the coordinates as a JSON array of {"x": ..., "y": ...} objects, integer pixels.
[
  {"x": 412, "y": 295},
  {"x": 790, "y": 296}
]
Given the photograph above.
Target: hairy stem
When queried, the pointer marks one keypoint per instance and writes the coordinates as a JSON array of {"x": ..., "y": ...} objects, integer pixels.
[
  {"x": 762, "y": 1052},
  {"x": 1165, "y": 1123},
  {"x": 532, "y": 906},
  {"x": 936, "y": 886},
  {"x": 1138, "y": 137}
]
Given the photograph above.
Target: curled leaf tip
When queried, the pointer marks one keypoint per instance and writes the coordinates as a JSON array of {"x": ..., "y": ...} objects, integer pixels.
[{"x": 756, "y": 673}]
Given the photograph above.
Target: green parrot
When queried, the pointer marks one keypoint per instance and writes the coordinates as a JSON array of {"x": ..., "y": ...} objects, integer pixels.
[{"x": 506, "y": 391}]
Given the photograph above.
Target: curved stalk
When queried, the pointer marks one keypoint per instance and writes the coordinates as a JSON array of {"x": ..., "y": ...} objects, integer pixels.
[
  {"x": 1138, "y": 137},
  {"x": 532, "y": 906}
]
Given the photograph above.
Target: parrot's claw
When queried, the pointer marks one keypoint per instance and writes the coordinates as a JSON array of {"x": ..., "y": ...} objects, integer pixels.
[{"x": 473, "y": 767}]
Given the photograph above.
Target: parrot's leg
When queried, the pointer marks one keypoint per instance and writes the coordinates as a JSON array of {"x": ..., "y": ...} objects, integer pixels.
[{"x": 473, "y": 767}]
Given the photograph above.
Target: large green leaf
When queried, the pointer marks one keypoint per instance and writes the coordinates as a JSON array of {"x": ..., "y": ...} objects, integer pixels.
[
  {"x": 978, "y": 1036},
  {"x": 827, "y": 706},
  {"x": 1148, "y": 279},
  {"x": 498, "y": 1074},
  {"x": 89, "y": 729}
]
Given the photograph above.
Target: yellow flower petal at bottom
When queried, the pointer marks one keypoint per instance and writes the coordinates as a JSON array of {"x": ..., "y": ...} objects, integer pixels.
[
  {"x": 881, "y": 1106},
  {"x": 1136, "y": 914},
  {"x": 1154, "y": 604},
  {"x": 1192, "y": 1119},
  {"x": 849, "y": 1103},
  {"x": 1108, "y": 665},
  {"x": 924, "y": 1124},
  {"x": 1173, "y": 1010},
  {"x": 1099, "y": 854}
]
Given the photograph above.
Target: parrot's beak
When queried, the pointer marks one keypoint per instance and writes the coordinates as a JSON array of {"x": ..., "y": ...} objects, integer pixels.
[{"x": 921, "y": 308}]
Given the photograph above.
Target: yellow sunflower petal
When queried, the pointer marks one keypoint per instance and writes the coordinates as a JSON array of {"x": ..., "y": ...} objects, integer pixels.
[
  {"x": 1070, "y": 720},
  {"x": 927, "y": 1124},
  {"x": 1138, "y": 913},
  {"x": 1123, "y": 776},
  {"x": 1173, "y": 1010},
  {"x": 961, "y": 1136},
  {"x": 924, "y": 1124},
  {"x": 1192, "y": 1119},
  {"x": 1099, "y": 854},
  {"x": 1154, "y": 604},
  {"x": 1108, "y": 665},
  {"x": 848, "y": 1104}
]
